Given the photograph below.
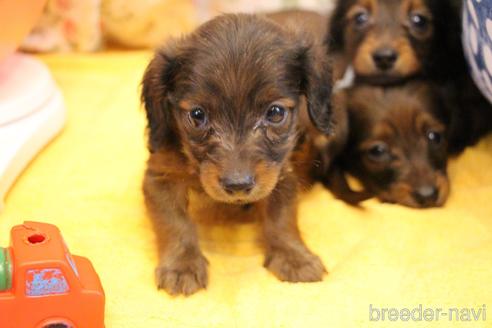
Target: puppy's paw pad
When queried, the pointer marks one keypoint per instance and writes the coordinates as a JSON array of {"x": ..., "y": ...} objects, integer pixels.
[
  {"x": 295, "y": 267},
  {"x": 183, "y": 277}
]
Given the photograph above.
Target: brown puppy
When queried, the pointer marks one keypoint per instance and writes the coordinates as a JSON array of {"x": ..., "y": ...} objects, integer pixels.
[
  {"x": 397, "y": 146},
  {"x": 223, "y": 107},
  {"x": 389, "y": 42}
]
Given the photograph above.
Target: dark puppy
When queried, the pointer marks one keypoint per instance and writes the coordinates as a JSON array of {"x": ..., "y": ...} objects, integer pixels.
[
  {"x": 389, "y": 42},
  {"x": 396, "y": 148},
  {"x": 223, "y": 107}
]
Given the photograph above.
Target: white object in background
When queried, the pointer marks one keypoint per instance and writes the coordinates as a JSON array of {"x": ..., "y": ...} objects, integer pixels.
[
  {"x": 347, "y": 80},
  {"x": 31, "y": 114}
]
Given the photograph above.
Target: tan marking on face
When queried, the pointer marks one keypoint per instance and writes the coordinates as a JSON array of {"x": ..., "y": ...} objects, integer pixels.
[
  {"x": 418, "y": 7},
  {"x": 363, "y": 61},
  {"x": 209, "y": 178},
  {"x": 407, "y": 63},
  {"x": 442, "y": 184},
  {"x": 369, "y": 5},
  {"x": 356, "y": 9},
  {"x": 285, "y": 102},
  {"x": 384, "y": 130},
  {"x": 401, "y": 192},
  {"x": 266, "y": 178},
  {"x": 186, "y": 105},
  {"x": 425, "y": 122}
]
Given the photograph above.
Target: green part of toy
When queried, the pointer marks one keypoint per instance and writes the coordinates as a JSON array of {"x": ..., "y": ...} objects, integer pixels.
[{"x": 5, "y": 270}]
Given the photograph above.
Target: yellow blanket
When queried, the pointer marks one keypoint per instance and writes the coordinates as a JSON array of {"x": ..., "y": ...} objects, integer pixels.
[{"x": 88, "y": 182}]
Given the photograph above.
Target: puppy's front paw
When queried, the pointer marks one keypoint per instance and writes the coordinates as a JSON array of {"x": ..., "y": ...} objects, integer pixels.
[
  {"x": 295, "y": 266},
  {"x": 182, "y": 276}
]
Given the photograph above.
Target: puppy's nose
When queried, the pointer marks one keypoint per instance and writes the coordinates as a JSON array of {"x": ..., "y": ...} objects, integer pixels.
[
  {"x": 238, "y": 183},
  {"x": 426, "y": 195},
  {"x": 385, "y": 58}
]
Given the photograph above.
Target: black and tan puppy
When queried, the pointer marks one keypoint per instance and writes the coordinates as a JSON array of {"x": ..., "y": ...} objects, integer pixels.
[
  {"x": 389, "y": 42},
  {"x": 397, "y": 147},
  {"x": 223, "y": 107}
]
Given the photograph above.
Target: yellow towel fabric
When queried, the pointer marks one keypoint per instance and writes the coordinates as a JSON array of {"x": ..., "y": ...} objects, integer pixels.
[{"x": 88, "y": 183}]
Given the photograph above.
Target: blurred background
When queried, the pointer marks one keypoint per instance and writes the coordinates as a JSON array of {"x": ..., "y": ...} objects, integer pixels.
[{"x": 92, "y": 25}]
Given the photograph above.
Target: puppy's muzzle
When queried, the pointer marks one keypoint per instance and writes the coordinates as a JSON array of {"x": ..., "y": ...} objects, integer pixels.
[
  {"x": 238, "y": 183},
  {"x": 385, "y": 58},
  {"x": 426, "y": 196}
]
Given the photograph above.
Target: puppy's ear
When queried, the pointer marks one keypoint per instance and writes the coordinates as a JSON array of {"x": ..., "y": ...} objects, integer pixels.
[
  {"x": 158, "y": 81},
  {"x": 316, "y": 85},
  {"x": 335, "y": 36}
]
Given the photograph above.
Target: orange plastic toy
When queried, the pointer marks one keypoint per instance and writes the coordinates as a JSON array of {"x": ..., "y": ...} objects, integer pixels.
[{"x": 43, "y": 285}]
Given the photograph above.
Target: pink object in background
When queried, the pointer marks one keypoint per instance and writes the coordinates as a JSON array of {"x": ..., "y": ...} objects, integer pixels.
[
  {"x": 31, "y": 114},
  {"x": 17, "y": 17},
  {"x": 31, "y": 105}
]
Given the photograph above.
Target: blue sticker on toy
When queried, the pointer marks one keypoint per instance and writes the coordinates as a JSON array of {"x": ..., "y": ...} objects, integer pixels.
[{"x": 41, "y": 282}]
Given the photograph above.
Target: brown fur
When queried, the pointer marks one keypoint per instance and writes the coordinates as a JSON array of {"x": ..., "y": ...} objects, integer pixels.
[
  {"x": 207, "y": 99},
  {"x": 399, "y": 120},
  {"x": 320, "y": 148},
  {"x": 362, "y": 29}
]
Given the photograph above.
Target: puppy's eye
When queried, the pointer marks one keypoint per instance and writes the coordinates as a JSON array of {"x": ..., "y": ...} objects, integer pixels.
[
  {"x": 419, "y": 21},
  {"x": 434, "y": 137},
  {"x": 198, "y": 117},
  {"x": 276, "y": 115},
  {"x": 361, "y": 18},
  {"x": 378, "y": 152}
]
